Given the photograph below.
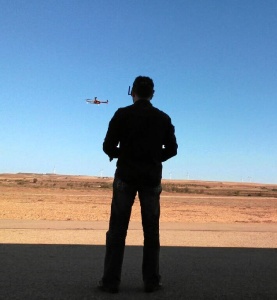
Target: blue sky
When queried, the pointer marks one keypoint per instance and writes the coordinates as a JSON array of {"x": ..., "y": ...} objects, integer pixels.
[{"x": 214, "y": 64}]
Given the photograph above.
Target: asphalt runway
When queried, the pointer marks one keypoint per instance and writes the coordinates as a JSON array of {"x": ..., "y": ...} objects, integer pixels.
[{"x": 33, "y": 270}]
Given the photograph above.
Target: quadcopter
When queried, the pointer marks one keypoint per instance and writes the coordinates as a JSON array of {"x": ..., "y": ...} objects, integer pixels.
[{"x": 95, "y": 101}]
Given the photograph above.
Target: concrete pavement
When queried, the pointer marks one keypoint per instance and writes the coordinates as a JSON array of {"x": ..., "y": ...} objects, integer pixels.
[{"x": 64, "y": 260}]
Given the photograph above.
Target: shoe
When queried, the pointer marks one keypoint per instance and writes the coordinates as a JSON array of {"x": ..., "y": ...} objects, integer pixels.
[
  {"x": 113, "y": 288},
  {"x": 151, "y": 287}
]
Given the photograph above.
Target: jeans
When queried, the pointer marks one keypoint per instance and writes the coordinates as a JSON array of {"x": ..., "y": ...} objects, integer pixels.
[{"x": 123, "y": 198}]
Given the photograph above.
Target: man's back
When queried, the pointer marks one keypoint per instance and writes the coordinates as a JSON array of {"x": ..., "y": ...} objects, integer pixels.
[{"x": 146, "y": 137}]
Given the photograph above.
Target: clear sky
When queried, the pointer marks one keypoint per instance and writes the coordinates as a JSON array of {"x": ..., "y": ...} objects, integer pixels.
[{"x": 214, "y": 64}]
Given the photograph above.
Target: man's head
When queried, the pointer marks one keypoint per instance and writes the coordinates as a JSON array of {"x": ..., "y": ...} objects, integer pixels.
[{"x": 143, "y": 88}]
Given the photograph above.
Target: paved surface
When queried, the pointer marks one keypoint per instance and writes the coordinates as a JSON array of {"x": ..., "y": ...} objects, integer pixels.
[
  {"x": 40, "y": 260},
  {"x": 172, "y": 234}
]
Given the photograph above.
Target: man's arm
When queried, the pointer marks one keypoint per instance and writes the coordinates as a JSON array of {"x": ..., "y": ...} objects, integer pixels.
[
  {"x": 170, "y": 144},
  {"x": 111, "y": 141}
]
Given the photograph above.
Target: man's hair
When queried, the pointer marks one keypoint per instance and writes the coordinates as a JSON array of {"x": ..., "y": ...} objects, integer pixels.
[{"x": 143, "y": 87}]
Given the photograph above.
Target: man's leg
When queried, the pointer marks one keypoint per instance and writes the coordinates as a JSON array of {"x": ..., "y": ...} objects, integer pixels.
[
  {"x": 150, "y": 213},
  {"x": 121, "y": 207}
]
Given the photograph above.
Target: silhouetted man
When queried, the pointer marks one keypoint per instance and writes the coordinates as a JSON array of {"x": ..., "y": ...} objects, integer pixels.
[{"x": 141, "y": 137}]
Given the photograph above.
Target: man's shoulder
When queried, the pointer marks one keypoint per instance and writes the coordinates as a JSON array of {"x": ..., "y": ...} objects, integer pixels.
[
  {"x": 132, "y": 109},
  {"x": 161, "y": 113},
  {"x": 123, "y": 110},
  {"x": 126, "y": 108}
]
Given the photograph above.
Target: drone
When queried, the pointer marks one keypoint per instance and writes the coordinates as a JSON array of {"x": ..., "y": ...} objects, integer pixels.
[{"x": 95, "y": 101}]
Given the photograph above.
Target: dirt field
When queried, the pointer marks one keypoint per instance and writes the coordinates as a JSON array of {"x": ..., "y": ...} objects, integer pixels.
[
  {"x": 218, "y": 239},
  {"x": 81, "y": 198}
]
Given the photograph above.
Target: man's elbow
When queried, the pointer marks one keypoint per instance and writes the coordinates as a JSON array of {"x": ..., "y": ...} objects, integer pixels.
[
  {"x": 105, "y": 148},
  {"x": 168, "y": 154},
  {"x": 173, "y": 152}
]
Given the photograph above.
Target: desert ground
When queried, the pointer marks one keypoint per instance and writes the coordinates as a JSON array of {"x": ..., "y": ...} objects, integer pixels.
[
  {"x": 63, "y": 209},
  {"x": 218, "y": 239},
  {"x": 84, "y": 198}
]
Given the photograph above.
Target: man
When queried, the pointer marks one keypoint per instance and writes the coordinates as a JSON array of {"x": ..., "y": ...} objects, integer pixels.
[{"x": 141, "y": 137}]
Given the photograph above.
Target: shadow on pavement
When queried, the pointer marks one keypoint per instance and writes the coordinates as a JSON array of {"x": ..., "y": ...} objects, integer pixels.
[{"x": 72, "y": 272}]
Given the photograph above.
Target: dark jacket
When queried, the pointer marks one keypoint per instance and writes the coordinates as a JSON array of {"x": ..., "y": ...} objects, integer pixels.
[{"x": 141, "y": 137}]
